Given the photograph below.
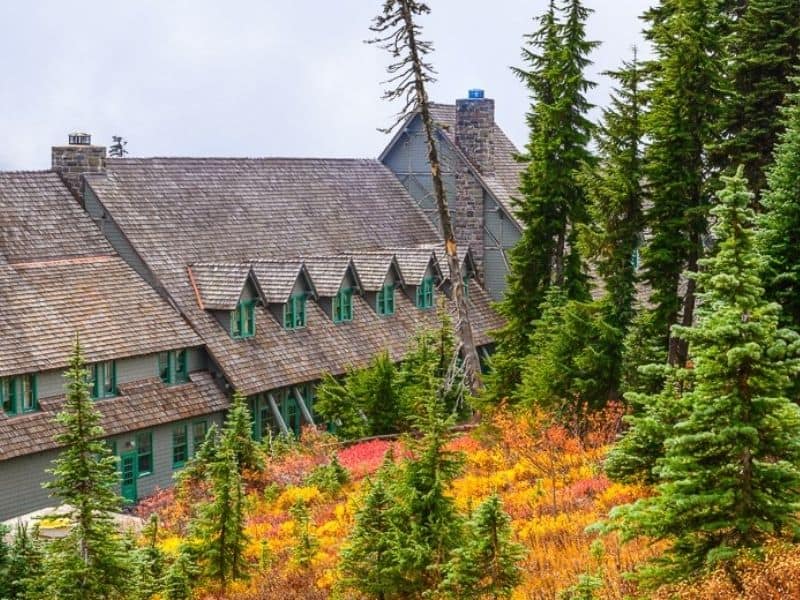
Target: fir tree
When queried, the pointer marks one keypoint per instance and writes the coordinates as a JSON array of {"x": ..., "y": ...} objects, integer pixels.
[
  {"x": 149, "y": 561},
  {"x": 24, "y": 568},
  {"x": 764, "y": 53},
  {"x": 118, "y": 147},
  {"x": 369, "y": 560},
  {"x": 219, "y": 526},
  {"x": 780, "y": 225},
  {"x": 552, "y": 203},
  {"x": 683, "y": 100},
  {"x": 89, "y": 561},
  {"x": 5, "y": 578},
  {"x": 177, "y": 581},
  {"x": 237, "y": 434},
  {"x": 486, "y": 565},
  {"x": 731, "y": 474}
]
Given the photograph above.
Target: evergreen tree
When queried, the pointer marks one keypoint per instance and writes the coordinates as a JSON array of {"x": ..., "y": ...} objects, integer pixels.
[
  {"x": 487, "y": 563},
  {"x": 306, "y": 544},
  {"x": 89, "y": 562},
  {"x": 763, "y": 52},
  {"x": 24, "y": 568},
  {"x": 118, "y": 147},
  {"x": 219, "y": 526},
  {"x": 5, "y": 557},
  {"x": 780, "y": 225},
  {"x": 149, "y": 562},
  {"x": 369, "y": 560},
  {"x": 683, "y": 99},
  {"x": 731, "y": 474},
  {"x": 177, "y": 581},
  {"x": 237, "y": 434},
  {"x": 552, "y": 203}
]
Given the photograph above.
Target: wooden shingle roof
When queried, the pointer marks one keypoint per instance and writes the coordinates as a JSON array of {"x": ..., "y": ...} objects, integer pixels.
[
  {"x": 219, "y": 285},
  {"x": 139, "y": 405},
  {"x": 414, "y": 263},
  {"x": 60, "y": 278},
  {"x": 328, "y": 272},
  {"x": 276, "y": 278},
  {"x": 176, "y": 212}
]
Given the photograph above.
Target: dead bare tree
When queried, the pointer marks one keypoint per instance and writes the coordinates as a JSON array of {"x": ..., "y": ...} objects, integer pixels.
[{"x": 408, "y": 75}]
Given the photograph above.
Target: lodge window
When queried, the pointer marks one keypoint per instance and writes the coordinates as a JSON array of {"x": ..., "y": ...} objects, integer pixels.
[
  {"x": 466, "y": 286},
  {"x": 199, "y": 431},
  {"x": 144, "y": 450},
  {"x": 103, "y": 379},
  {"x": 385, "y": 300},
  {"x": 294, "y": 312},
  {"x": 19, "y": 394},
  {"x": 425, "y": 293},
  {"x": 343, "y": 306},
  {"x": 243, "y": 320},
  {"x": 180, "y": 446},
  {"x": 173, "y": 366}
]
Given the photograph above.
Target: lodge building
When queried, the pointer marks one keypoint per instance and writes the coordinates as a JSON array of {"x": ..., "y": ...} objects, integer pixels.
[{"x": 187, "y": 278}]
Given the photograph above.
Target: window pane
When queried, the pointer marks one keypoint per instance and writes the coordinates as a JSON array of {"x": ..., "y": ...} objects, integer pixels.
[
  {"x": 199, "y": 430},
  {"x": 389, "y": 299},
  {"x": 180, "y": 446},
  {"x": 6, "y": 395},
  {"x": 182, "y": 366},
  {"x": 288, "y": 314},
  {"x": 236, "y": 322},
  {"x": 144, "y": 448},
  {"x": 163, "y": 366},
  {"x": 300, "y": 320},
  {"x": 28, "y": 393},
  {"x": 109, "y": 376}
]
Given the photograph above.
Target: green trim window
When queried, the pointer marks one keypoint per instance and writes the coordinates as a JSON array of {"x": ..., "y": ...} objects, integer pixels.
[
  {"x": 19, "y": 394},
  {"x": 112, "y": 446},
  {"x": 243, "y": 320},
  {"x": 294, "y": 312},
  {"x": 343, "y": 306},
  {"x": 425, "y": 293},
  {"x": 173, "y": 366},
  {"x": 384, "y": 303},
  {"x": 180, "y": 446},
  {"x": 466, "y": 286},
  {"x": 199, "y": 431},
  {"x": 144, "y": 450},
  {"x": 103, "y": 379}
]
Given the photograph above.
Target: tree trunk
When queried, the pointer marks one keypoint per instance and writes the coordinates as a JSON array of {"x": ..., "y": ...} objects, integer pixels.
[{"x": 463, "y": 325}]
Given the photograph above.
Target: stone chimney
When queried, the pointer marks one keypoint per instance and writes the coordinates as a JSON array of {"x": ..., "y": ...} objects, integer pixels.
[
  {"x": 474, "y": 134},
  {"x": 77, "y": 157}
]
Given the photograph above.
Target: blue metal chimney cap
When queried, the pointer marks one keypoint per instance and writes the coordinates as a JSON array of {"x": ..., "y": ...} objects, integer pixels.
[{"x": 475, "y": 94}]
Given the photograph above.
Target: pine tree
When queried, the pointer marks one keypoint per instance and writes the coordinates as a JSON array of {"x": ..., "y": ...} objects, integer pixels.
[
  {"x": 683, "y": 100},
  {"x": 731, "y": 474},
  {"x": 177, "y": 581},
  {"x": 23, "y": 579},
  {"x": 237, "y": 434},
  {"x": 552, "y": 203},
  {"x": 5, "y": 557},
  {"x": 486, "y": 565},
  {"x": 89, "y": 561},
  {"x": 780, "y": 225},
  {"x": 149, "y": 562},
  {"x": 219, "y": 526},
  {"x": 764, "y": 53}
]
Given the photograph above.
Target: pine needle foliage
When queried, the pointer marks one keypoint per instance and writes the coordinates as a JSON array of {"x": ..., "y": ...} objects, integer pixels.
[
  {"x": 551, "y": 202},
  {"x": 730, "y": 477},
  {"x": 89, "y": 561}
]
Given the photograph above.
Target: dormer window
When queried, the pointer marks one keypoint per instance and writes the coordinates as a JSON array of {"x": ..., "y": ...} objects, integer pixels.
[
  {"x": 19, "y": 394},
  {"x": 103, "y": 379},
  {"x": 243, "y": 320},
  {"x": 384, "y": 303},
  {"x": 425, "y": 293},
  {"x": 466, "y": 286},
  {"x": 173, "y": 366},
  {"x": 343, "y": 306},
  {"x": 294, "y": 312}
]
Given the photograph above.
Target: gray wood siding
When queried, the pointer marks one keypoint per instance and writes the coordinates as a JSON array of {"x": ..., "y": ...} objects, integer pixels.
[{"x": 21, "y": 478}]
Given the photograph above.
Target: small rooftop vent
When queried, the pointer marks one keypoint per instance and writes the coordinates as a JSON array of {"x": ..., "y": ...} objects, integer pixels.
[
  {"x": 475, "y": 94},
  {"x": 77, "y": 138}
]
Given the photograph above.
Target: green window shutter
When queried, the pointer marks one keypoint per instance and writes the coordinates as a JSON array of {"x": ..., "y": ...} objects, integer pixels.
[
  {"x": 347, "y": 311},
  {"x": 95, "y": 380},
  {"x": 420, "y": 295},
  {"x": 429, "y": 293},
  {"x": 389, "y": 299},
  {"x": 300, "y": 320},
  {"x": 5, "y": 395},
  {"x": 236, "y": 322},
  {"x": 113, "y": 378},
  {"x": 13, "y": 395},
  {"x": 288, "y": 314},
  {"x": 379, "y": 304},
  {"x": 29, "y": 393},
  {"x": 144, "y": 450},
  {"x": 182, "y": 366},
  {"x": 163, "y": 366},
  {"x": 337, "y": 307},
  {"x": 180, "y": 446},
  {"x": 251, "y": 318}
]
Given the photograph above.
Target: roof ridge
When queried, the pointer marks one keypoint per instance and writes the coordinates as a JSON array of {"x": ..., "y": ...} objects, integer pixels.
[{"x": 132, "y": 159}]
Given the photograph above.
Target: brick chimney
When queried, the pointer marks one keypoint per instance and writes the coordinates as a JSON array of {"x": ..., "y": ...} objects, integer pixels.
[
  {"x": 77, "y": 157},
  {"x": 474, "y": 133}
]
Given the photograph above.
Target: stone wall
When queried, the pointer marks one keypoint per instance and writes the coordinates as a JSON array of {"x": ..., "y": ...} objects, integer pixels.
[{"x": 71, "y": 160}]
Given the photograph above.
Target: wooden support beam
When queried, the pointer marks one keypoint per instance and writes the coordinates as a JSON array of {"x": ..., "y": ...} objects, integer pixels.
[
  {"x": 277, "y": 414},
  {"x": 303, "y": 408}
]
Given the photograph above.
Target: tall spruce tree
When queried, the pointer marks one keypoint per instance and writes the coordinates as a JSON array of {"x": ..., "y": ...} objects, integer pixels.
[
  {"x": 24, "y": 568},
  {"x": 219, "y": 526},
  {"x": 486, "y": 565},
  {"x": 731, "y": 474},
  {"x": 763, "y": 50},
  {"x": 551, "y": 203},
  {"x": 683, "y": 112},
  {"x": 780, "y": 225},
  {"x": 89, "y": 562},
  {"x": 237, "y": 434}
]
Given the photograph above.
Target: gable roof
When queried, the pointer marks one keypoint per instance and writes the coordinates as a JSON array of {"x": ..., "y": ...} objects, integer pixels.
[
  {"x": 277, "y": 278},
  {"x": 414, "y": 263},
  {"x": 219, "y": 285},
  {"x": 504, "y": 183},
  {"x": 265, "y": 212},
  {"x": 60, "y": 278},
  {"x": 328, "y": 272},
  {"x": 374, "y": 266}
]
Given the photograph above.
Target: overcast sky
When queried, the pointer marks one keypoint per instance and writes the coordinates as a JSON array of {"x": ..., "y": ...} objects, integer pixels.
[{"x": 253, "y": 77}]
